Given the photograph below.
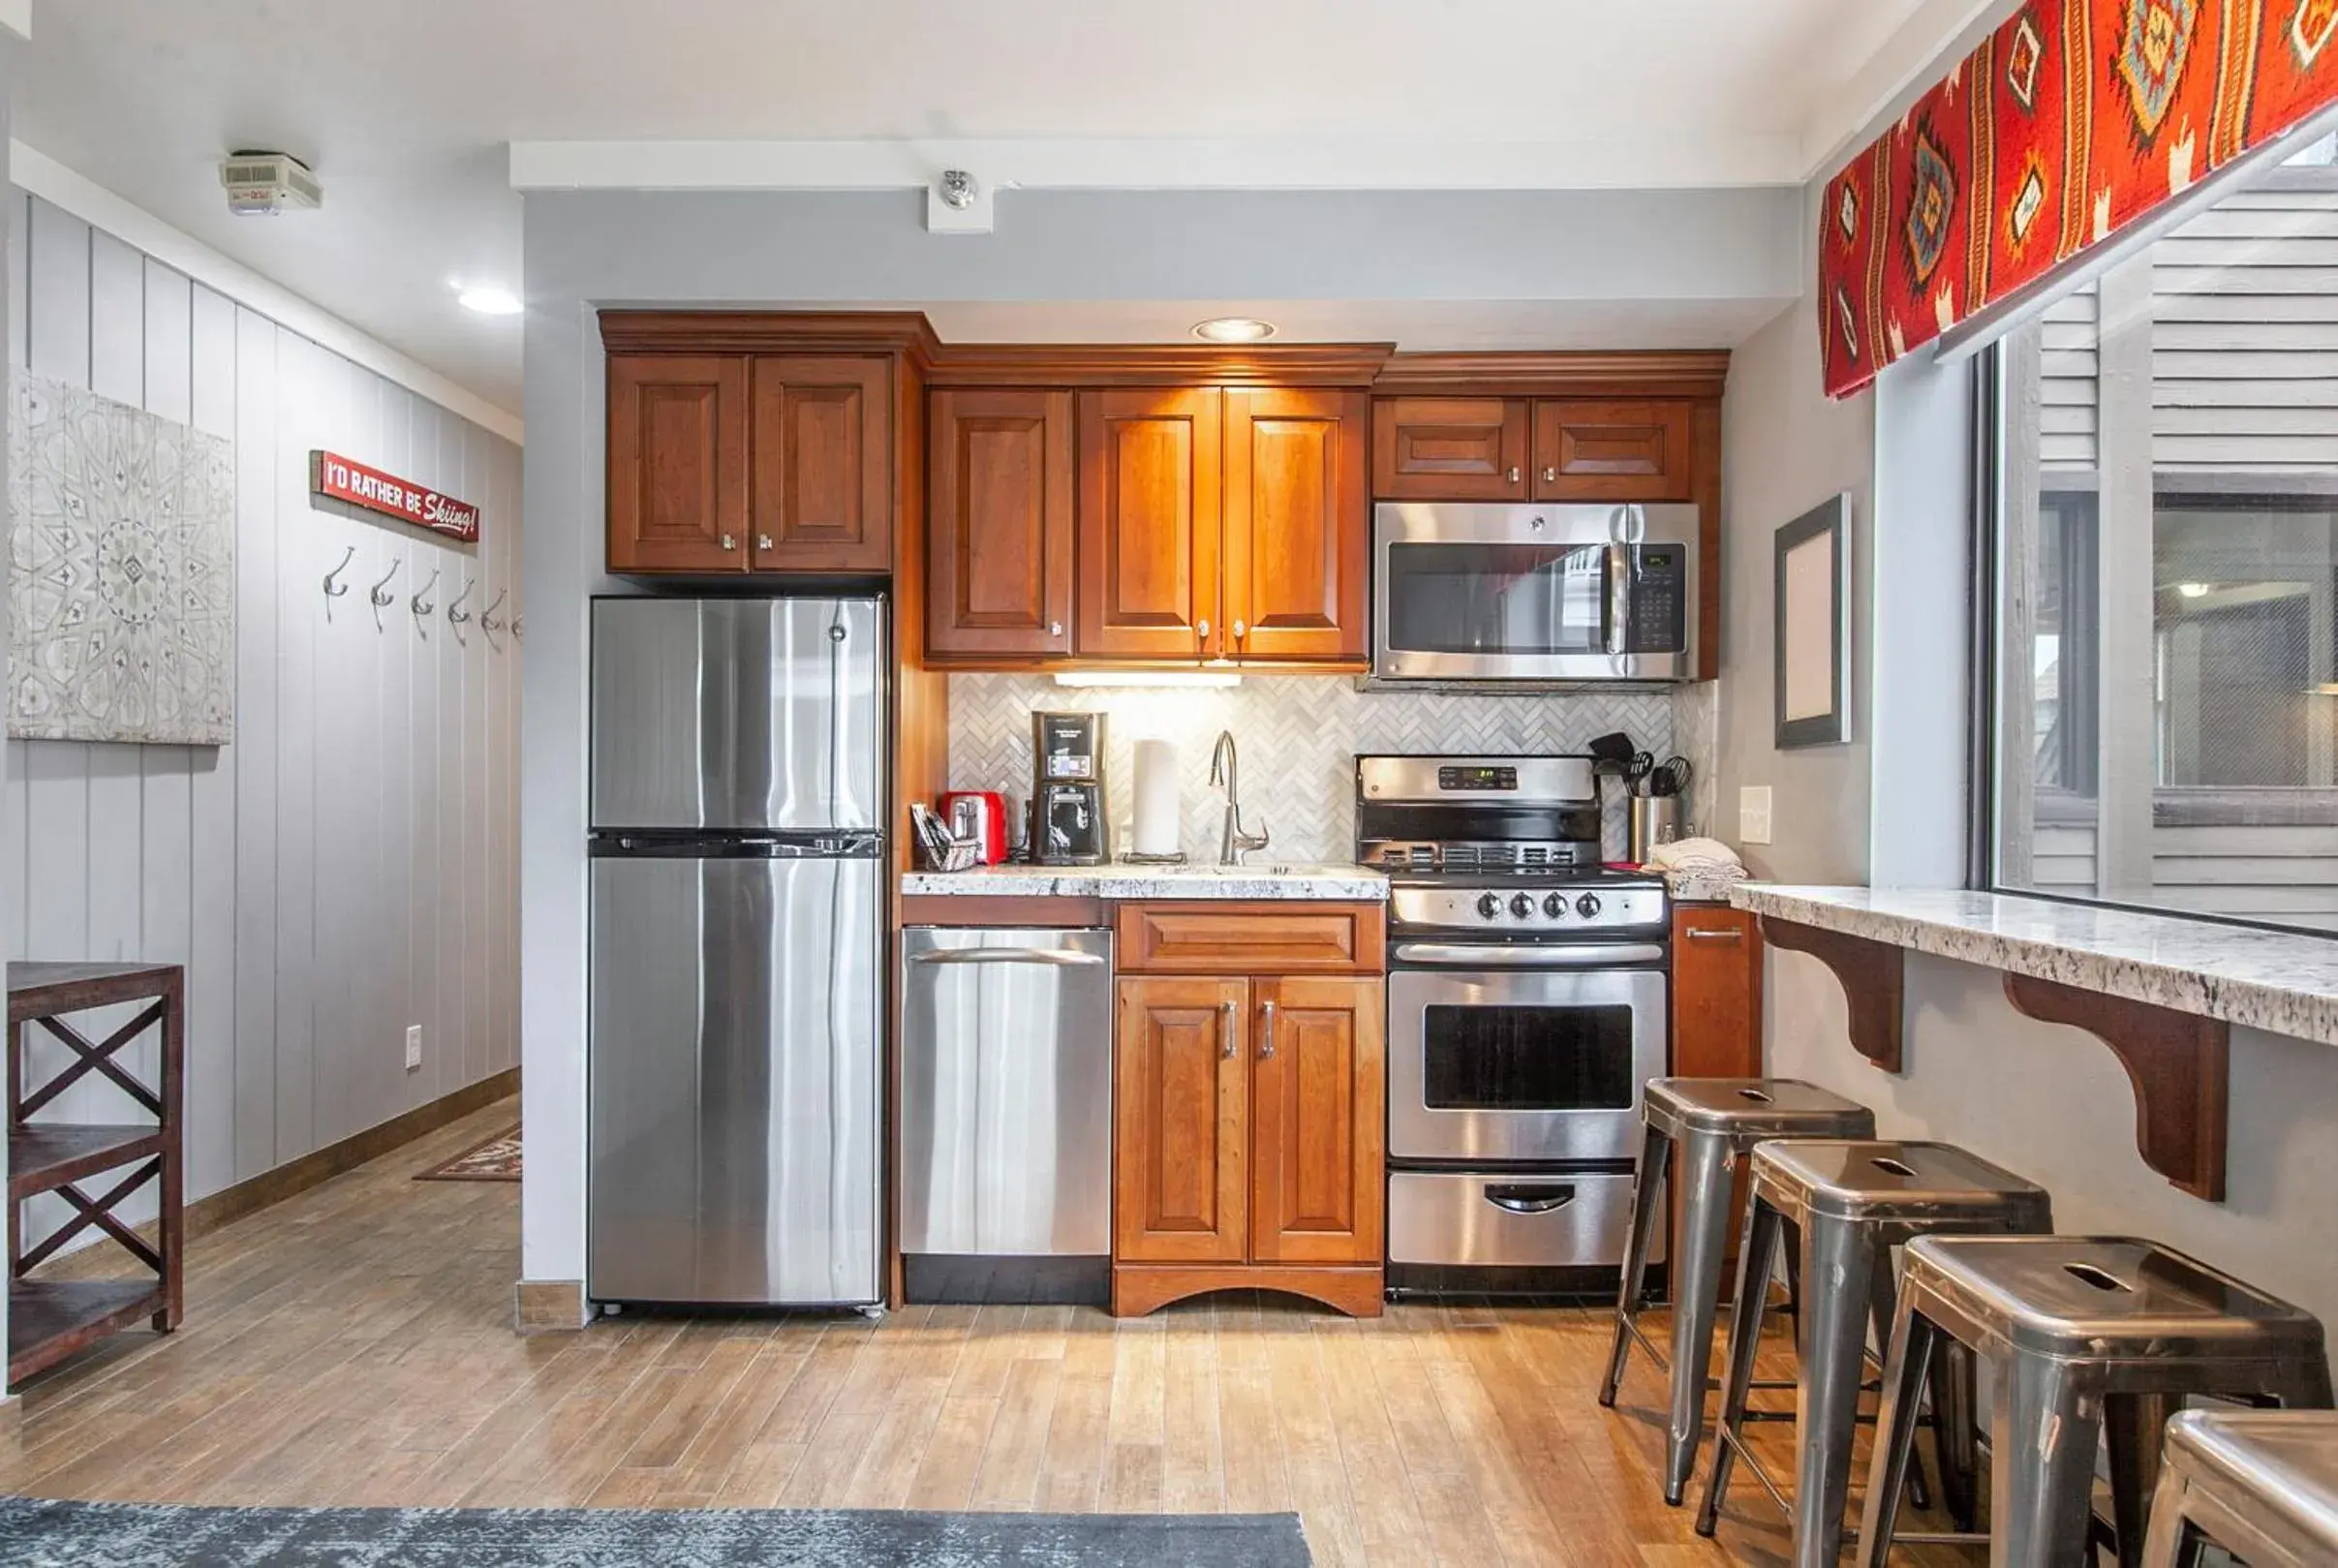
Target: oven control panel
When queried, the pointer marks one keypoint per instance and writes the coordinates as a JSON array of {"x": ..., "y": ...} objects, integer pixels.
[{"x": 1597, "y": 907}]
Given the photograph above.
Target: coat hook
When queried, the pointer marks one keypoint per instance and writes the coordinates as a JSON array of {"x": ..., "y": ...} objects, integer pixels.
[
  {"x": 518, "y": 627},
  {"x": 380, "y": 594},
  {"x": 332, "y": 587},
  {"x": 456, "y": 615},
  {"x": 487, "y": 621},
  {"x": 421, "y": 606}
]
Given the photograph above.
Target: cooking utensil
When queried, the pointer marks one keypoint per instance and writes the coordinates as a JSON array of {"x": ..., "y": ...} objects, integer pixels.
[
  {"x": 1635, "y": 773},
  {"x": 1612, "y": 752},
  {"x": 1672, "y": 776}
]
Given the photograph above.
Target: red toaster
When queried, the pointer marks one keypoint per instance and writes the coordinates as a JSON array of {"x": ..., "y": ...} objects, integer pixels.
[{"x": 977, "y": 816}]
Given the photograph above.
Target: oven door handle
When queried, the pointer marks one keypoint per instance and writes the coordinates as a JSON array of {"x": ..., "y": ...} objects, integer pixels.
[
  {"x": 1473, "y": 955},
  {"x": 1530, "y": 1197}
]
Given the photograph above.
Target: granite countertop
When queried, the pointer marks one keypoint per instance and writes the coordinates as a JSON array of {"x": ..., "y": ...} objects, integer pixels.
[
  {"x": 2283, "y": 983},
  {"x": 1264, "y": 880}
]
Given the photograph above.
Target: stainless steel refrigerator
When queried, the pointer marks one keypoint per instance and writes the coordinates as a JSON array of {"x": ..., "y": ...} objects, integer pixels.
[{"x": 738, "y": 857}]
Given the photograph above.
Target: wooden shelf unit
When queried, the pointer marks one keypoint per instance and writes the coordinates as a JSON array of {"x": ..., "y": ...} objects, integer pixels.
[{"x": 51, "y": 1319}]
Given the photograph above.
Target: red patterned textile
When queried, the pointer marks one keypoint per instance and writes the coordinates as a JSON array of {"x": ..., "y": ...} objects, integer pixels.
[{"x": 2074, "y": 120}]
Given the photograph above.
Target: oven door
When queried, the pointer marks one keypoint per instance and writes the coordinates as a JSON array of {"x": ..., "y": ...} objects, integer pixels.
[
  {"x": 1521, "y": 1063},
  {"x": 1524, "y": 593}
]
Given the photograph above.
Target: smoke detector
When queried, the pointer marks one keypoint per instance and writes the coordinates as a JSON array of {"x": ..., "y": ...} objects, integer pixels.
[{"x": 266, "y": 183}]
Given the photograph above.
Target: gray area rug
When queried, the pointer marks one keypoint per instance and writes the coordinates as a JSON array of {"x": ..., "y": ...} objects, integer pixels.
[{"x": 44, "y": 1534}]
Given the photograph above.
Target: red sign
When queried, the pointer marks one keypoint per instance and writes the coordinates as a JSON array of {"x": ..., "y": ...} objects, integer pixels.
[{"x": 337, "y": 479}]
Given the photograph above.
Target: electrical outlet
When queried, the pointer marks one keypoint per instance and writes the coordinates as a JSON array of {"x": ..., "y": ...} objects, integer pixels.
[
  {"x": 1753, "y": 813},
  {"x": 413, "y": 1048}
]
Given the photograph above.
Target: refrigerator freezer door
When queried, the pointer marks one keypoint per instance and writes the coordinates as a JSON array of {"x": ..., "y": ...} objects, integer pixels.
[
  {"x": 1006, "y": 1093},
  {"x": 734, "y": 1149},
  {"x": 738, "y": 714}
]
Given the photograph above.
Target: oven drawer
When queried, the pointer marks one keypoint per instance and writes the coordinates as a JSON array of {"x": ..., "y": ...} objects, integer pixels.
[{"x": 1572, "y": 1219}]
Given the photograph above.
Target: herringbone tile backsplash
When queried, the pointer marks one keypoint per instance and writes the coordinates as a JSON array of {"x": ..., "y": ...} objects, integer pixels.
[{"x": 1298, "y": 735}]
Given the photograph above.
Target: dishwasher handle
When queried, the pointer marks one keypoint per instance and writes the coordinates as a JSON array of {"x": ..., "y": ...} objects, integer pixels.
[{"x": 1052, "y": 957}]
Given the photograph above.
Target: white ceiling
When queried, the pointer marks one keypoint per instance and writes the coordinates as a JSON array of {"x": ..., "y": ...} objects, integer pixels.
[{"x": 406, "y": 109}]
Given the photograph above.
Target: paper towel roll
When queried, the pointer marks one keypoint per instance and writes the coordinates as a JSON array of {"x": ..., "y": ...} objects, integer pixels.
[{"x": 1156, "y": 827}]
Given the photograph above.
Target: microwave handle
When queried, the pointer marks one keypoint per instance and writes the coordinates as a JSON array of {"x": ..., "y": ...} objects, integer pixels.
[{"x": 1619, "y": 599}]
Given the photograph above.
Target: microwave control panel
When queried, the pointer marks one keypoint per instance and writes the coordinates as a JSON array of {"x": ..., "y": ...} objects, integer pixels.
[{"x": 1659, "y": 623}]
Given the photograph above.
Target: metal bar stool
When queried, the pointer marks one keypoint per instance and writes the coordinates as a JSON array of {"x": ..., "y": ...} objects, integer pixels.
[
  {"x": 2260, "y": 1484},
  {"x": 1717, "y": 1122},
  {"x": 1853, "y": 1203},
  {"x": 2086, "y": 1337}
]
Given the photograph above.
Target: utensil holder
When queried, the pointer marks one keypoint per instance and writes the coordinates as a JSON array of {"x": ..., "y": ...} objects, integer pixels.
[{"x": 1655, "y": 819}]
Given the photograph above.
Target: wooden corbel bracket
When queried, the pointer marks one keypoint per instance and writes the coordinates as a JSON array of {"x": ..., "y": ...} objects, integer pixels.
[
  {"x": 1873, "y": 977},
  {"x": 2178, "y": 1064}
]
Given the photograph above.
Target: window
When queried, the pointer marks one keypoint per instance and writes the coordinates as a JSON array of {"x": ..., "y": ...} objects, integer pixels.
[{"x": 2164, "y": 709}]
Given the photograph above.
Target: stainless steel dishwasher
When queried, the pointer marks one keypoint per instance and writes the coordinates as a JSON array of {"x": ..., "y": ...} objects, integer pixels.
[{"x": 1006, "y": 1112}]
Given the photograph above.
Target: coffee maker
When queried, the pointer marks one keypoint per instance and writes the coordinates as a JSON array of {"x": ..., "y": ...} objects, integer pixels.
[{"x": 1070, "y": 825}]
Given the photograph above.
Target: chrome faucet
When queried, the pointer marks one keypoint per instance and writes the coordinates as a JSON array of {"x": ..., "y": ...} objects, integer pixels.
[{"x": 1233, "y": 842}]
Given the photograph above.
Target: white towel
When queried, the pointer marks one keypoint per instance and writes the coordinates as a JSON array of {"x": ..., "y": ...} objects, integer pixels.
[{"x": 1708, "y": 856}]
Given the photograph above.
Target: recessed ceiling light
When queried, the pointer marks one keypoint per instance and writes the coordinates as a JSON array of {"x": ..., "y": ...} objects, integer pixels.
[
  {"x": 488, "y": 300},
  {"x": 2192, "y": 590},
  {"x": 1234, "y": 329}
]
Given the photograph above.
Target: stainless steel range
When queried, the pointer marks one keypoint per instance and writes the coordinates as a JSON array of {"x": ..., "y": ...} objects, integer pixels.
[{"x": 1528, "y": 1003}]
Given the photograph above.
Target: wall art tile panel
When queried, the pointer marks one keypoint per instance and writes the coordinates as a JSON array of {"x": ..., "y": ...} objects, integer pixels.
[
  {"x": 1298, "y": 737},
  {"x": 122, "y": 572}
]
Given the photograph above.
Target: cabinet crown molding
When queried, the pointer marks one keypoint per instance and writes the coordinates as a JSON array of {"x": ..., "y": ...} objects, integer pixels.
[
  {"x": 1558, "y": 373},
  {"x": 1159, "y": 364},
  {"x": 766, "y": 331}
]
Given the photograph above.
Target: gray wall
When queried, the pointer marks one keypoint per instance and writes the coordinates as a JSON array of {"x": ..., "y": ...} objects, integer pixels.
[
  {"x": 1688, "y": 252},
  {"x": 347, "y": 866},
  {"x": 2047, "y": 1101}
]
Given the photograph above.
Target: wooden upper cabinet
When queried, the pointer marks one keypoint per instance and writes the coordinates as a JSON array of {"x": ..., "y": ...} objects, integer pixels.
[
  {"x": 1448, "y": 448},
  {"x": 1587, "y": 449},
  {"x": 1716, "y": 991},
  {"x": 822, "y": 492},
  {"x": 677, "y": 463},
  {"x": 1298, "y": 526},
  {"x": 1148, "y": 524},
  {"x": 1317, "y": 1119},
  {"x": 1180, "y": 1104},
  {"x": 1000, "y": 550}
]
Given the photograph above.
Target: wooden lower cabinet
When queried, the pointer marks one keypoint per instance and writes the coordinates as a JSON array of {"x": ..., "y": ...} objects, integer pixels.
[
  {"x": 1717, "y": 1012},
  {"x": 1250, "y": 1117}
]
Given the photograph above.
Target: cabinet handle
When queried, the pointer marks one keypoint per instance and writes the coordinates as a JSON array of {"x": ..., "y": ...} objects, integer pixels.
[
  {"x": 729, "y": 543},
  {"x": 1228, "y": 1009},
  {"x": 1708, "y": 934},
  {"x": 1055, "y": 628},
  {"x": 762, "y": 541},
  {"x": 1514, "y": 474},
  {"x": 1266, "y": 1032},
  {"x": 1550, "y": 475}
]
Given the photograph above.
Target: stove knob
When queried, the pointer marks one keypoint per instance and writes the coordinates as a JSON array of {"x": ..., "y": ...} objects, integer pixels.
[
  {"x": 1488, "y": 906},
  {"x": 1588, "y": 906},
  {"x": 1555, "y": 905},
  {"x": 1523, "y": 906}
]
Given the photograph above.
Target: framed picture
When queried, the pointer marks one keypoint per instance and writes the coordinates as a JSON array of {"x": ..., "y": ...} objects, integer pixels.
[{"x": 1813, "y": 627}]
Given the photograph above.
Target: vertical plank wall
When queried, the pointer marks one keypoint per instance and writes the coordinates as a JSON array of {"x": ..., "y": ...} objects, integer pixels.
[{"x": 348, "y": 866}]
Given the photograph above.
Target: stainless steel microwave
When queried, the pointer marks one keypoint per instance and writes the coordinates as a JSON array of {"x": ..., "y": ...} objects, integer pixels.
[{"x": 1534, "y": 594}]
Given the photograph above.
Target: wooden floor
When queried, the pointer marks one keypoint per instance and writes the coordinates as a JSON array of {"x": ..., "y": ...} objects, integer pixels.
[{"x": 353, "y": 1347}]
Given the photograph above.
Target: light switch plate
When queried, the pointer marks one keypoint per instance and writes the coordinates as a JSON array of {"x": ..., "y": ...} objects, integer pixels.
[
  {"x": 413, "y": 1048},
  {"x": 1753, "y": 813}
]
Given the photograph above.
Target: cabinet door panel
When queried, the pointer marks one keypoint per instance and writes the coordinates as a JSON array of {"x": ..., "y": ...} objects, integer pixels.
[
  {"x": 1148, "y": 524},
  {"x": 1588, "y": 450},
  {"x": 823, "y": 452},
  {"x": 1000, "y": 548},
  {"x": 1319, "y": 1120},
  {"x": 1448, "y": 448},
  {"x": 1716, "y": 993},
  {"x": 1298, "y": 525},
  {"x": 677, "y": 463},
  {"x": 1180, "y": 1099}
]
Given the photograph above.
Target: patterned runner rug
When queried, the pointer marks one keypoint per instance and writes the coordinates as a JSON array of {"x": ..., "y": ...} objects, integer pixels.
[
  {"x": 43, "y": 1534},
  {"x": 494, "y": 1159}
]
